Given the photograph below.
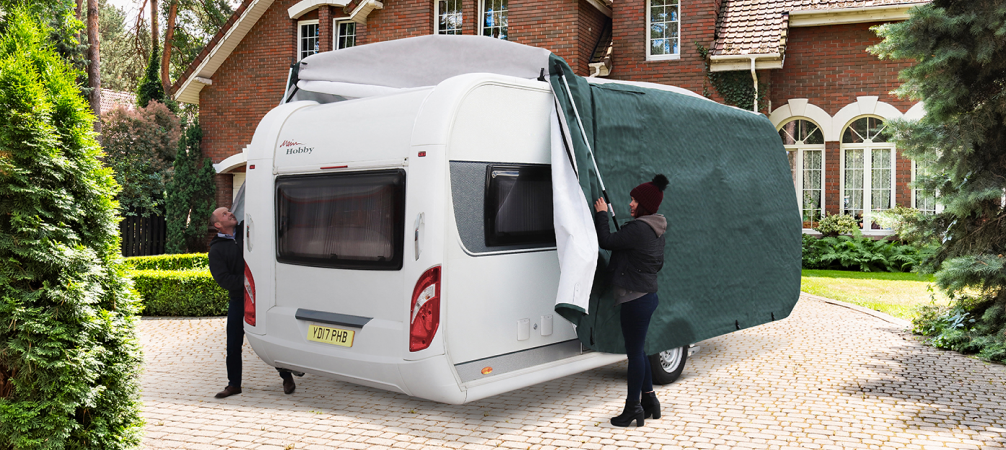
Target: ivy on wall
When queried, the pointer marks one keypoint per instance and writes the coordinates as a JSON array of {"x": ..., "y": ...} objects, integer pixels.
[{"x": 734, "y": 86}]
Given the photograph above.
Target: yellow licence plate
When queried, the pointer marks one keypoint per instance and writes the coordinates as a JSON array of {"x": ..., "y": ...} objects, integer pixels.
[{"x": 334, "y": 336}]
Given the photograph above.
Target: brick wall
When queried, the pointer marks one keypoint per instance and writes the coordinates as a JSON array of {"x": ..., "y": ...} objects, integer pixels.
[
  {"x": 830, "y": 67},
  {"x": 630, "y": 31},
  {"x": 590, "y": 23}
]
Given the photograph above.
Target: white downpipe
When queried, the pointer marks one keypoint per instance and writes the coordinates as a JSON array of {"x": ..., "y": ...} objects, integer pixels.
[{"x": 754, "y": 76}]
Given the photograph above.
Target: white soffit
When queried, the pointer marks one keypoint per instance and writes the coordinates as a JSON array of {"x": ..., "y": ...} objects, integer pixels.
[
  {"x": 231, "y": 162},
  {"x": 601, "y": 5},
  {"x": 821, "y": 17},
  {"x": 306, "y": 6},
  {"x": 725, "y": 63},
  {"x": 189, "y": 91},
  {"x": 360, "y": 13}
]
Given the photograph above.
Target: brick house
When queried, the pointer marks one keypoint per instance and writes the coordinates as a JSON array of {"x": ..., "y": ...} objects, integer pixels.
[{"x": 825, "y": 93}]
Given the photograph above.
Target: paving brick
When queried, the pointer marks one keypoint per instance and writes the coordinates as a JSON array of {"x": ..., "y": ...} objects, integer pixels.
[{"x": 861, "y": 383}]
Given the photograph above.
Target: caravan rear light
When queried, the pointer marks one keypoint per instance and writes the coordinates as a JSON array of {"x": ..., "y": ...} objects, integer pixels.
[
  {"x": 249, "y": 297},
  {"x": 424, "y": 315}
]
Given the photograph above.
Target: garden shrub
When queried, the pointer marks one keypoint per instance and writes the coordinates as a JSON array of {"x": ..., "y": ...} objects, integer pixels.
[
  {"x": 186, "y": 261},
  {"x": 179, "y": 293},
  {"x": 69, "y": 355},
  {"x": 140, "y": 146},
  {"x": 970, "y": 325},
  {"x": 860, "y": 253},
  {"x": 836, "y": 224},
  {"x": 190, "y": 195}
]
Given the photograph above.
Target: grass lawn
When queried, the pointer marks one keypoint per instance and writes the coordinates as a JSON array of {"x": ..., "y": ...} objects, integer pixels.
[{"x": 897, "y": 294}]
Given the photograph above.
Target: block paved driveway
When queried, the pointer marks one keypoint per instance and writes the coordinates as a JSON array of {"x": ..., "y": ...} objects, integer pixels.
[{"x": 826, "y": 377}]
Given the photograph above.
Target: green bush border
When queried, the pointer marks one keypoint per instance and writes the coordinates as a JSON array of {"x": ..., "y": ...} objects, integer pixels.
[
  {"x": 179, "y": 293},
  {"x": 187, "y": 261}
]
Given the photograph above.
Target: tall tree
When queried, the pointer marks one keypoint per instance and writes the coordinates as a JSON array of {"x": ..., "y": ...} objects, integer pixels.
[
  {"x": 155, "y": 35},
  {"x": 94, "y": 62},
  {"x": 122, "y": 62},
  {"x": 150, "y": 87},
  {"x": 190, "y": 195},
  {"x": 69, "y": 355},
  {"x": 169, "y": 34},
  {"x": 959, "y": 51}
]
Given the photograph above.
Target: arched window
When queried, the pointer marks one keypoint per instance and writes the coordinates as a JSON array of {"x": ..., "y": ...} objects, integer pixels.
[
  {"x": 867, "y": 170},
  {"x": 804, "y": 142}
]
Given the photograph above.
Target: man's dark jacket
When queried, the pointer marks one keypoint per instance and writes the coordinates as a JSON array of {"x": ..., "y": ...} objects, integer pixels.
[
  {"x": 227, "y": 264},
  {"x": 637, "y": 253}
]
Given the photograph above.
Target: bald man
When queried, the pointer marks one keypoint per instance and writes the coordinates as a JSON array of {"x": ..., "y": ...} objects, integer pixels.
[{"x": 227, "y": 265}]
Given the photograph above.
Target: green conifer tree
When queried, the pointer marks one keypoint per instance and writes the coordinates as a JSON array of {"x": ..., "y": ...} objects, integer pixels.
[
  {"x": 69, "y": 356},
  {"x": 190, "y": 195},
  {"x": 151, "y": 87},
  {"x": 959, "y": 52}
]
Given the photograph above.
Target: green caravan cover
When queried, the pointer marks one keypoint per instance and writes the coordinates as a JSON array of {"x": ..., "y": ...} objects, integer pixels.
[{"x": 732, "y": 258}]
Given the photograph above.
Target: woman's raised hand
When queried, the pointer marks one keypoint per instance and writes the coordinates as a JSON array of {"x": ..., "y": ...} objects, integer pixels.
[{"x": 600, "y": 205}]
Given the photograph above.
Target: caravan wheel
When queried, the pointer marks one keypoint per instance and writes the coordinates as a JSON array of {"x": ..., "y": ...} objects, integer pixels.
[{"x": 667, "y": 365}]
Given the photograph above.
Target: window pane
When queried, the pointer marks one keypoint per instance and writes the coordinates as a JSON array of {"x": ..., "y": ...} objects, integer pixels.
[
  {"x": 450, "y": 17},
  {"x": 852, "y": 197},
  {"x": 351, "y": 220},
  {"x": 309, "y": 43},
  {"x": 812, "y": 186},
  {"x": 518, "y": 205},
  {"x": 347, "y": 35},
  {"x": 664, "y": 22},
  {"x": 494, "y": 22},
  {"x": 925, "y": 203}
]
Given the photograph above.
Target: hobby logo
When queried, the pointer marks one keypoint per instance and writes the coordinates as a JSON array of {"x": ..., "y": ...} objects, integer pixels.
[{"x": 294, "y": 148}]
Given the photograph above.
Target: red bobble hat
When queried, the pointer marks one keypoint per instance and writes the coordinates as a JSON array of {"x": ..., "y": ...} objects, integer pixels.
[{"x": 649, "y": 195}]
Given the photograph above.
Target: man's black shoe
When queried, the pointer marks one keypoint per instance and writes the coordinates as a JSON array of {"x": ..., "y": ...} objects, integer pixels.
[
  {"x": 289, "y": 386},
  {"x": 228, "y": 391}
]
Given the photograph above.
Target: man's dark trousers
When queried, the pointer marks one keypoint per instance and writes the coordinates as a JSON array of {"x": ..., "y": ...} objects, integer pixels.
[{"x": 235, "y": 339}]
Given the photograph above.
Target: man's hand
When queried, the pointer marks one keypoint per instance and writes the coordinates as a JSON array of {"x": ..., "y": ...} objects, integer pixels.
[{"x": 600, "y": 205}]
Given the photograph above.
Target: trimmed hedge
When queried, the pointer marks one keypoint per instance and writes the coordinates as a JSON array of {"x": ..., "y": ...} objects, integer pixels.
[
  {"x": 188, "y": 261},
  {"x": 179, "y": 293}
]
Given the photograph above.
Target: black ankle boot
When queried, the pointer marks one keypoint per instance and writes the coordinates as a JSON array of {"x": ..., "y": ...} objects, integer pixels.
[
  {"x": 650, "y": 405},
  {"x": 631, "y": 412}
]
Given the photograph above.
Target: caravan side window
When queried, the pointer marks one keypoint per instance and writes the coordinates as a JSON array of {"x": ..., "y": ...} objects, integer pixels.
[
  {"x": 347, "y": 220},
  {"x": 518, "y": 205}
]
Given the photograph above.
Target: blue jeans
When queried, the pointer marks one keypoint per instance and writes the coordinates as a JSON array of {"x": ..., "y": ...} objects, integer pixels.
[{"x": 635, "y": 319}]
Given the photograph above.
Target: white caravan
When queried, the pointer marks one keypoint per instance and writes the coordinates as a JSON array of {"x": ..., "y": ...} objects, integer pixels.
[{"x": 405, "y": 242}]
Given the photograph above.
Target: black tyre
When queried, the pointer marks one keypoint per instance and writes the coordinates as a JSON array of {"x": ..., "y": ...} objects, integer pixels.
[{"x": 667, "y": 365}]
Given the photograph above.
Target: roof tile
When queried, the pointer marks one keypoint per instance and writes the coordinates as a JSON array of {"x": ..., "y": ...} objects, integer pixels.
[{"x": 759, "y": 26}]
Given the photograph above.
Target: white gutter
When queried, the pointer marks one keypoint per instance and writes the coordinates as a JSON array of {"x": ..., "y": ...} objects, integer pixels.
[
  {"x": 754, "y": 76},
  {"x": 725, "y": 63},
  {"x": 820, "y": 17}
]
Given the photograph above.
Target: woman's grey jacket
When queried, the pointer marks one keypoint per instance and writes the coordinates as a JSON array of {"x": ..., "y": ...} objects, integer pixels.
[{"x": 637, "y": 250}]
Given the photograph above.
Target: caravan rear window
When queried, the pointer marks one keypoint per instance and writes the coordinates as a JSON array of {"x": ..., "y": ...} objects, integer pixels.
[
  {"x": 347, "y": 220},
  {"x": 519, "y": 205}
]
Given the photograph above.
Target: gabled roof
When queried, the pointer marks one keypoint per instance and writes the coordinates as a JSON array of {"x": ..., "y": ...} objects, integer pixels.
[
  {"x": 759, "y": 27},
  {"x": 186, "y": 88}
]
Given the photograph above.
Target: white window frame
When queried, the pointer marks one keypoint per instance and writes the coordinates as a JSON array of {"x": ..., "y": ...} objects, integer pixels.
[
  {"x": 915, "y": 192},
  {"x": 436, "y": 18},
  {"x": 482, "y": 18},
  {"x": 868, "y": 146},
  {"x": 800, "y": 148},
  {"x": 300, "y": 35},
  {"x": 336, "y": 26},
  {"x": 650, "y": 57}
]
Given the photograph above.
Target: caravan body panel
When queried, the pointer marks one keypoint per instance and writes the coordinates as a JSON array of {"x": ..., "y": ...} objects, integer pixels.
[{"x": 494, "y": 302}]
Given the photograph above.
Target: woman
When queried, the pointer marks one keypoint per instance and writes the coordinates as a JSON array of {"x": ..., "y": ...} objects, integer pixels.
[{"x": 637, "y": 254}]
